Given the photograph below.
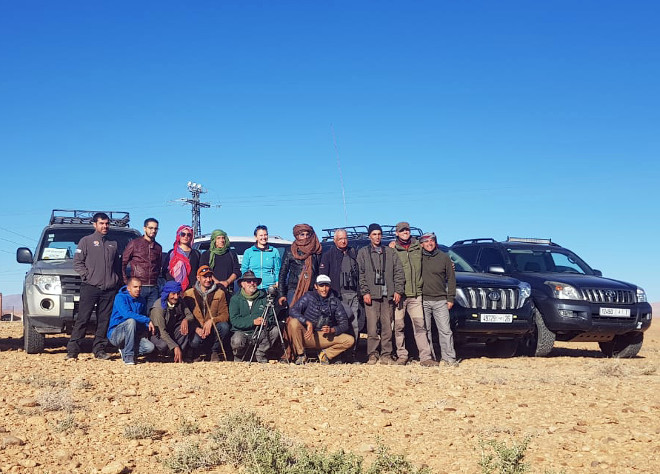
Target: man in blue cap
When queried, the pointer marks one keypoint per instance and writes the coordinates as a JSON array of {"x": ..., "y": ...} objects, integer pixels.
[{"x": 166, "y": 314}]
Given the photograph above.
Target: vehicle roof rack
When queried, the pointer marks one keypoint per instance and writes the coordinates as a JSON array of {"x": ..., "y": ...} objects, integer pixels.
[
  {"x": 473, "y": 241},
  {"x": 357, "y": 232},
  {"x": 64, "y": 216},
  {"x": 530, "y": 240}
]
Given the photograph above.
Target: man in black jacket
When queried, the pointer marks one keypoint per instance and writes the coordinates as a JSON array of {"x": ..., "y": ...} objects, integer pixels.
[
  {"x": 97, "y": 262},
  {"x": 318, "y": 321},
  {"x": 340, "y": 264}
]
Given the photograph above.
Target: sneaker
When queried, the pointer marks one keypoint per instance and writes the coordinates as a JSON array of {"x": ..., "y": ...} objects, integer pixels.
[
  {"x": 102, "y": 355},
  {"x": 129, "y": 361},
  {"x": 373, "y": 359},
  {"x": 71, "y": 356},
  {"x": 387, "y": 360},
  {"x": 323, "y": 358},
  {"x": 215, "y": 357},
  {"x": 450, "y": 363},
  {"x": 428, "y": 363},
  {"x": 301, "y": 359},
  {"x": 401, "y": 361},
  {"x": 262, "y": 359}
]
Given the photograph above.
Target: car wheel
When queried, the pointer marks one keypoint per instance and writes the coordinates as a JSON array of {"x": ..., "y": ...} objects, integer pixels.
[
  {"x": 624, "y": 346},
  {"x": 33, "y": 342},
  {"x": 502, "y": 348},
  {"x": 540, "y": 341}
]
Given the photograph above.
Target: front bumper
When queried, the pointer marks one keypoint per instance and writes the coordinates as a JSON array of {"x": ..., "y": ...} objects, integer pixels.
[{"x": 468, "y": 322}]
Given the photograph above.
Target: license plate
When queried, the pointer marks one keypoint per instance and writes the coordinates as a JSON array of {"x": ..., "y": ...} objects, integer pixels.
[
  {"x": 496, "y": 318},
  {"x": 615, "y": 312}
]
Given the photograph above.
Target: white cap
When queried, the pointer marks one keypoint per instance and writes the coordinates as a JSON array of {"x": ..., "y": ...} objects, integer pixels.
[{"x": 322, "y": 279}]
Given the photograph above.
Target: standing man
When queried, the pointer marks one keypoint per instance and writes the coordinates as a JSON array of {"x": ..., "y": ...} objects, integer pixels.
[
  {"x": 410, "y": 255},
  {"x": 246, "y": 310},
  {"x": 300, "y": 265},
  {"x": 223, "y": 261},
  {"x": 145, "y": 256},
  {"x": 167, "y": 314},
  {"x": 381, "y": 284},
  {"x": 97, "y": 261},
  {"x": 208, "y": 305},
  {"x": 438, "y": 294},
  {"x": 340, "y": 264},
  {"x": 129, "y": 324},
  {"x": 318, "y": 321}
]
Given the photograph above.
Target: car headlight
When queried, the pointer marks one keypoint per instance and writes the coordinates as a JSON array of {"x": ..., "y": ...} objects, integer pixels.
[
  {"x": 460, "y": 298},
  {"x": 48, "y": 284},
  {"x": 563, "y": 291},
  {"x": 525, "y": 291},
  {"x": 641, "y": 295}
]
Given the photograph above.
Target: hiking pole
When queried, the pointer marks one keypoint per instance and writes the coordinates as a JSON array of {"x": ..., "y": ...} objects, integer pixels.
[{"x": 222, "y": 346}]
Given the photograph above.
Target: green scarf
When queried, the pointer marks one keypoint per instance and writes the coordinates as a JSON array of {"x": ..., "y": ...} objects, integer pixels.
[
  {"x": 215, "y": 250},
  {"x": 251, "y": 297}
]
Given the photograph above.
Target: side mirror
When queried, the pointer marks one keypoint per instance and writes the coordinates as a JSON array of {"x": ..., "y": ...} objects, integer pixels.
[
  {"x": 598, "y": 273},
  {"x": 24, "y": 255},
  {"x": 495, "y": 269}
]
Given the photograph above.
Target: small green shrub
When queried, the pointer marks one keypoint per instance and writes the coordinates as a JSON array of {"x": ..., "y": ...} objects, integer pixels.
[
  {"x": 189, "y": 456},
  {"x": 498, "y": 458},
  {"x": 140, "y": 430},
  {"x": 56, "y": 400}
]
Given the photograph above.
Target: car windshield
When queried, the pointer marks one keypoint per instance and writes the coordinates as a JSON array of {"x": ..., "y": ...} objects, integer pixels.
[
  {"x": 240, "y": 247},
  {"x": 60, "y": 244},
  {"x": 548, "y": 261}
]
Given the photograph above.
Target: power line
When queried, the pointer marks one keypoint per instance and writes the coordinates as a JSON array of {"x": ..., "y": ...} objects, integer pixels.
[{"x": 20, "y": 235}]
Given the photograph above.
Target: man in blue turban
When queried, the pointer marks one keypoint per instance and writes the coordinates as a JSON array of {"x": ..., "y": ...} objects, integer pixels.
[{"x": 166, "y": 314}]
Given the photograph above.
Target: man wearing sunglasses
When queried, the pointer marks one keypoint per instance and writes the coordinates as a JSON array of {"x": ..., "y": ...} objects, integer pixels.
[
  {"x": 246, "y": 309},
  {"x": 319, "y": 321}
]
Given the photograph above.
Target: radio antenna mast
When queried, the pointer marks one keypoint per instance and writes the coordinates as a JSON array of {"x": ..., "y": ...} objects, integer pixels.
[
  {"x": 341, "y": 178},
  {"x": 196, "y": 190}
]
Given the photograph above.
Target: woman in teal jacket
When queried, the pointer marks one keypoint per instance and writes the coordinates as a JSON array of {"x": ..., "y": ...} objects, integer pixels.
[{"x": 262, "y": 259}]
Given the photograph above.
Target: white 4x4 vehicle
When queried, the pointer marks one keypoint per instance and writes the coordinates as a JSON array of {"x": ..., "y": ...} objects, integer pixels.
[{"x": 51, "y": 289}]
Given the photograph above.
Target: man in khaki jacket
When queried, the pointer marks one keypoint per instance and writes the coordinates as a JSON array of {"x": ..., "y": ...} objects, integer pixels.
[{"x": 209, "y": 308}]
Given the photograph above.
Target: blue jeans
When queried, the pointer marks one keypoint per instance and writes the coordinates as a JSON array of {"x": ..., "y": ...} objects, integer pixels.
[
  {"x": 211, "y": 341},
  {"x": 127, "y": 338},
  {"x": 150, "y": 294}
]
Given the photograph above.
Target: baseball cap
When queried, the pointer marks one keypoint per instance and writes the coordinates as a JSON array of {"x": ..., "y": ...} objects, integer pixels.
[
  {"x": 323, "y": 280},
  {"x": 204, "y": 270},
  {"x": 402, "y": 225}
]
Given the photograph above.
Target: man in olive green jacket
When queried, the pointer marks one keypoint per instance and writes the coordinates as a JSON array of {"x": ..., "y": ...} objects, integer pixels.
[{"x": 410, "y": 254}]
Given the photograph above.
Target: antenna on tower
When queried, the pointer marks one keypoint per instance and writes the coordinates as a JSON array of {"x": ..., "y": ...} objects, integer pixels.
[{"x": 196, "y": 190}]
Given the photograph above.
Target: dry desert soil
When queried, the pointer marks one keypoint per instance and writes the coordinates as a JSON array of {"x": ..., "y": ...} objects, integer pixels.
[{"x": 584, "y": 413}]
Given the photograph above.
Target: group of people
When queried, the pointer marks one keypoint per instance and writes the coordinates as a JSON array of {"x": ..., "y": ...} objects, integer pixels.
[{"x": 187, "y": 305}]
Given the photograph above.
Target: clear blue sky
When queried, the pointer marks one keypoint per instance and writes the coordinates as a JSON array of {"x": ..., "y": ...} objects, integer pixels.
[{"x": 471, "y": 119}]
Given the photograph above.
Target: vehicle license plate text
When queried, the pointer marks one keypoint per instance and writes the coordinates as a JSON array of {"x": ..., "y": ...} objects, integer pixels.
[
  {"x": 496, "y": 318},
  {"x": 615, "y": 312}
]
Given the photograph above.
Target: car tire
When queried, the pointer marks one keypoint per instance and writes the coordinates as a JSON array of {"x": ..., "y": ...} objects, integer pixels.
[
  {"x": 538, "y": 343},
  {"x": 624, "y": 346},
  {"x": 502, "y": 348},
  {"x": 33, "y": 342}
]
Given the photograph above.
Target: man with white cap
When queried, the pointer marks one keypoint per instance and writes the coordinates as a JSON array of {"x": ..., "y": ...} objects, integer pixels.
[{"x": 318, "y": 321}]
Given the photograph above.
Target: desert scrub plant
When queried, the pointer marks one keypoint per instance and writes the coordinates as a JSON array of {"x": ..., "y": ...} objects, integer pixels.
[
  {"x": 389, "y": 463},
  {"x": 189, "y": 456},
  {"x": 56, "y": 400},
  {"x": 498, "y": 458},
  {"x": 67, "y": 424},
  {"x": 140, "y": 430},
  {"x": 188, "y": 427}
]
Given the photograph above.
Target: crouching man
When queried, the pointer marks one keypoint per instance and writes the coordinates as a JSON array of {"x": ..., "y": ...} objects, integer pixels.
[
  {"x": 129, "y": 324},
  {"x": 167, "y": 314},
  {"x": 318, "y": 321},
  {"x": 207, "y": 306},
  {"x": 245, "y": 314}
]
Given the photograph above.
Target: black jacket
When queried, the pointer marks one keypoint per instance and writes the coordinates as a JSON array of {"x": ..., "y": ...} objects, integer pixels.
[
  {"x": 290, "y": 272},
  {"x": 311, "y": 307},
  {"x": 331, "y": 265}
]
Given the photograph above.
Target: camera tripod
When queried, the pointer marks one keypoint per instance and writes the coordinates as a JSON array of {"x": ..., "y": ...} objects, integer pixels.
[{"x": 263, "y": 329}]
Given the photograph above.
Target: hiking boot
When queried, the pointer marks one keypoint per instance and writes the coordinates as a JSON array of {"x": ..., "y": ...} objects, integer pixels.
[
  {"x": 301, "y": 359},
  {"x": 387, "y": 360},
  {"x": 428, "y": 363},
  {"x": 401, "y": 361},
  {"x": 215, "y": 357},
  {"x": 373, "y": 359},
  {"x": 450, "y": 363},
  {"x": 102, "y": 355},
  {"x": 323, "y": 358}
]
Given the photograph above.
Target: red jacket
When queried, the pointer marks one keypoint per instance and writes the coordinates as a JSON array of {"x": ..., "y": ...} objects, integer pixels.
[{"x": 145, "y": 259}]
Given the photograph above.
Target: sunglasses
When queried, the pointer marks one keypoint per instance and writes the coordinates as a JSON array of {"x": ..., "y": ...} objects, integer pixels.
[
  {"x": 250, "y": 282},
  {"x": 323, "y": 284},
  {"x": 185, "y": 234}
]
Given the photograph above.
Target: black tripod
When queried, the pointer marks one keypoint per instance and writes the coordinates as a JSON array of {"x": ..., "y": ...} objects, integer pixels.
[{"x": 262, "y": 332}]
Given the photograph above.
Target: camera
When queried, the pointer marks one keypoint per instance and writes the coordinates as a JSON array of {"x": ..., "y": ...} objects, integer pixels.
[
  {"x": 271, "y": 292},
  {"x": 379, "y": 278}
]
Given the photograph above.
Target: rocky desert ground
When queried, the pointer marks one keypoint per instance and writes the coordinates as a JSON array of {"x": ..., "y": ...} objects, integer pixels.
[{"x": 584, "y": 413}]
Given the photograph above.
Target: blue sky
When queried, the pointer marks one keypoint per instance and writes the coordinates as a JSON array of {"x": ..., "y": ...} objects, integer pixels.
[{"x": 471, "y": 119}]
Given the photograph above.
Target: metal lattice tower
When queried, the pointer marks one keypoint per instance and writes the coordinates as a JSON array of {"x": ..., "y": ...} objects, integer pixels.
[{"x": 196, "y": 190}]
